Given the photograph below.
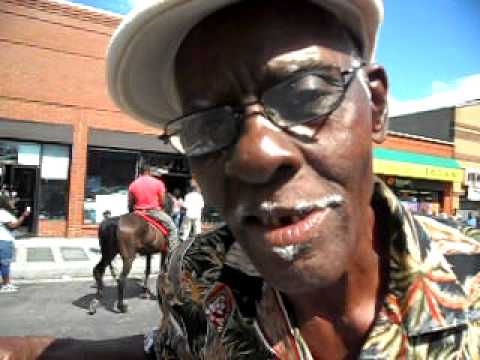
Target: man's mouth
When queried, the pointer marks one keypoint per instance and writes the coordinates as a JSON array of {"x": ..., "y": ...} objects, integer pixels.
[{"x": 289, "y": 230}]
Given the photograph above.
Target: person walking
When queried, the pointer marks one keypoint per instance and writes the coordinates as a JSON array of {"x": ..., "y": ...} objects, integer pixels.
[
  {"x": 8, "y": 222},
  {"x": 192, "y": 222},
  {"x": 177, "y": 205}
]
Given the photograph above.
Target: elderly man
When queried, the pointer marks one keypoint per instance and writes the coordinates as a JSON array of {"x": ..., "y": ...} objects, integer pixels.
[{"x": 276, "y": 104}]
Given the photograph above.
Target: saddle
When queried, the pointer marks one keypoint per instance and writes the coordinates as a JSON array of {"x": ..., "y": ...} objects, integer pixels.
[{"x": 152, "y": 221}]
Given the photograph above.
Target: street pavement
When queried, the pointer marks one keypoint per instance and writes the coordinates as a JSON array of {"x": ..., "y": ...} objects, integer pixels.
[
  {"x": 60, "y": 309},
  {"x": 55, "y": 282}
]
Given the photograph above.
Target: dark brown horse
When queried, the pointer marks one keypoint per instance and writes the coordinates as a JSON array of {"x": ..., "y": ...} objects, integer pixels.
[{"x": 126, "y": 235}]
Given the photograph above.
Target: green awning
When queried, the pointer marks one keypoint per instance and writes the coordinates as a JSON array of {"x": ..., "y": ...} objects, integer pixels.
[
  {"x": 415, "y": 158},
  {"x": 410, "y": 164}
]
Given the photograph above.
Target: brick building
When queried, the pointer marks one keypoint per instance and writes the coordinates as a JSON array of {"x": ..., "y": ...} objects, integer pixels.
[
  {"x": 62, "y": 141},
  {"x": 428, "y": 171}
]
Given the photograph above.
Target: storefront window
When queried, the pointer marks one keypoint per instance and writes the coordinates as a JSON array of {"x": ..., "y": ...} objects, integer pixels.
[
  {"x": 108, "y": 175},
  {"x": 53, "y": 199},
  {"x": 37, "y": 176},
  {"x": 55, "y": 162},
  {"x": 54, "y": 182},
  {"x": 8, "y": 152},
  {"x": 176, "y": 165},
  {"x": 419, "y": 196},
  {"x": 19, "y": 153}
]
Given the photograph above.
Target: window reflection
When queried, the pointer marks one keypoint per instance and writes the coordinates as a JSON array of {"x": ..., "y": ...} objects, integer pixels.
[{"x": 108, "y": 175}]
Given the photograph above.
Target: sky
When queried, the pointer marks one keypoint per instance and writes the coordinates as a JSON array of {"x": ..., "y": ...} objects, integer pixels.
[{"x": 430, "y": 49}]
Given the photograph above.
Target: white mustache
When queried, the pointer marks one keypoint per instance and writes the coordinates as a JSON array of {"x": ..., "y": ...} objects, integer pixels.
[{"x": 332, "y": 200}]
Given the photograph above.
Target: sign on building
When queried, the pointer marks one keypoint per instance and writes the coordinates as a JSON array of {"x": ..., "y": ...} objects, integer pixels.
[{"x": 472, "y": 180}]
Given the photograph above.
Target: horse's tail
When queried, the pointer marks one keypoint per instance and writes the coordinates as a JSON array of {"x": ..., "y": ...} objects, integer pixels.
[{"x": 107, "y": 235}]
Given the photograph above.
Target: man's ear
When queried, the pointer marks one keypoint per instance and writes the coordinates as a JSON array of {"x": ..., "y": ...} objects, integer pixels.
[{"x": 378, "y": 84}]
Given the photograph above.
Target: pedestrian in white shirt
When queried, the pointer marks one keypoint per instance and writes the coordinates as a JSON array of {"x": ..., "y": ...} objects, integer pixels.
[
  {"x": 192, "y": 221},
  {"x": 7, "y": 222}
]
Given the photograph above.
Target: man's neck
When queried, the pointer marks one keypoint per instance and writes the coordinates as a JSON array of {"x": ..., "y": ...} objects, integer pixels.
[{"x": 335, "y": 321}]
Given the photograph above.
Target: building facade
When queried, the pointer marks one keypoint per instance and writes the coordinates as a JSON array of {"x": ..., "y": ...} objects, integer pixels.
[
  {"x": 421, "y": 171},
  {"x": 431, "y": 181},
  {"x": 467, "y": 151},
  {"x": 65, "y": 149},
  {"x": 459, "y": 126}
]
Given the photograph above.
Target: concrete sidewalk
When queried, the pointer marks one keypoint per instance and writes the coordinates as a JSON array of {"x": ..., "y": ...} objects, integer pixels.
[{"x": 57, "y": 259}]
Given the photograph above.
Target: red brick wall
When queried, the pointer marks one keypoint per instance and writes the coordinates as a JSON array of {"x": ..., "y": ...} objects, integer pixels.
[
  {"x": 89, "y": 230},
  {"x": 52, "y": 68},
  {"x": 52, "y": 227},
  {"x": 397, "y": 142}
]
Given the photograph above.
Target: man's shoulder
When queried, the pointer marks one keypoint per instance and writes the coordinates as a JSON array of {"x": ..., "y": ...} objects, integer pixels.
[
  {"x": 146, "y": 180},
  {"x": 205, "y": 252},
  {"x": 462, "y": 252},
  {"x": 213, "y": 300},
  {"x": 134, "y": 183},
  {"x": 153, "y": 180},
  {"x": 448, "y": 239}
]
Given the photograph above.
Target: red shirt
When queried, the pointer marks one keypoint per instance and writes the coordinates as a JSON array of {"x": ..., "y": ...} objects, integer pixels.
[{"x": 147, "y": 192}]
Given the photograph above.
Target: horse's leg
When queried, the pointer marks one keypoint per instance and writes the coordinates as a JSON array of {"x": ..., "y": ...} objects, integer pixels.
[
  {"x": 122, "y": 280},
  {"x": 112, "y": 271},
  {"x": 98, "y": 272},
  {"x": 146, "y": 292}
]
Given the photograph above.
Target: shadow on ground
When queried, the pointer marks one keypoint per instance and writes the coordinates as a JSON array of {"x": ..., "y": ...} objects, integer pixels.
[
  {"x": 127, "y": 347},
  {"x": 133, "y": 289}
]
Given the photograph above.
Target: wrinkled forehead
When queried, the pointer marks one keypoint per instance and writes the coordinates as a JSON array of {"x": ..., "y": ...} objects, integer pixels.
[{"x": 262, "y": 37}]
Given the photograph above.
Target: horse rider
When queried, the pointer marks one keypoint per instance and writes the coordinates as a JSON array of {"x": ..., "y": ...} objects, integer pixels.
[{"x": 148, "y": 194}]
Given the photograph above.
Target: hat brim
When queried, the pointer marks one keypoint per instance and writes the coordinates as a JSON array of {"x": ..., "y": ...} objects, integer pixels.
[{"x": 141, "y": 54}]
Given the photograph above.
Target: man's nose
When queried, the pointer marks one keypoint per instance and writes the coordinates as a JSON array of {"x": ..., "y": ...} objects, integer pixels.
[{"x": 263, "y": 153}]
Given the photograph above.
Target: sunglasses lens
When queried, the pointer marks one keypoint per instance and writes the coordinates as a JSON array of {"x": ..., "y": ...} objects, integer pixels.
[
  {"x": 302, "y": 99},
  {"x": 206, "y": 132}
]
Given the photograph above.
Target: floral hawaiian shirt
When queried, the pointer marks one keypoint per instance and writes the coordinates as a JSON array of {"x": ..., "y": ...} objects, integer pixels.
[{"x": 216, "y": 306}]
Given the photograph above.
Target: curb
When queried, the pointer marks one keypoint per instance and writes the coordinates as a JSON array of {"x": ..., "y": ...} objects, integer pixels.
[{"x": 63, "y": 260}]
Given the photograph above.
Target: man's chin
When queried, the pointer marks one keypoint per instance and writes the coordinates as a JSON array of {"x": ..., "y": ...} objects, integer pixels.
[{"x": 302, "y": 275}]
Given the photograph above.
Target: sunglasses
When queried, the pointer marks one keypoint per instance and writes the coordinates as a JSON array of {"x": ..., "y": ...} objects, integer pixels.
[{"x": 298, "y": 100}]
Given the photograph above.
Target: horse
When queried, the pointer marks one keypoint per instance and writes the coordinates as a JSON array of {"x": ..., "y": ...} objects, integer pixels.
[{"x": 126, "y": 235}]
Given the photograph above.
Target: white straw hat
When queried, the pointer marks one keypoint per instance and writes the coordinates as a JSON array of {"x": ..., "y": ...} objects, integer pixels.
[{"x": 142, "y": 51}]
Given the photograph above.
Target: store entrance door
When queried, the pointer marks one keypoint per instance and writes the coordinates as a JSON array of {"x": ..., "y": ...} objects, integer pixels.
[{"x": 22, "y": 181}]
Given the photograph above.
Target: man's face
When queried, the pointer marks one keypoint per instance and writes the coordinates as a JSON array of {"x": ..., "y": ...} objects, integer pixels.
[{"x": 297, "y": 204}]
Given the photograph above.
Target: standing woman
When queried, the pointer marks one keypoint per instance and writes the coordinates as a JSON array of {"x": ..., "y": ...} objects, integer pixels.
[{"x": 7, "y": 222}]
